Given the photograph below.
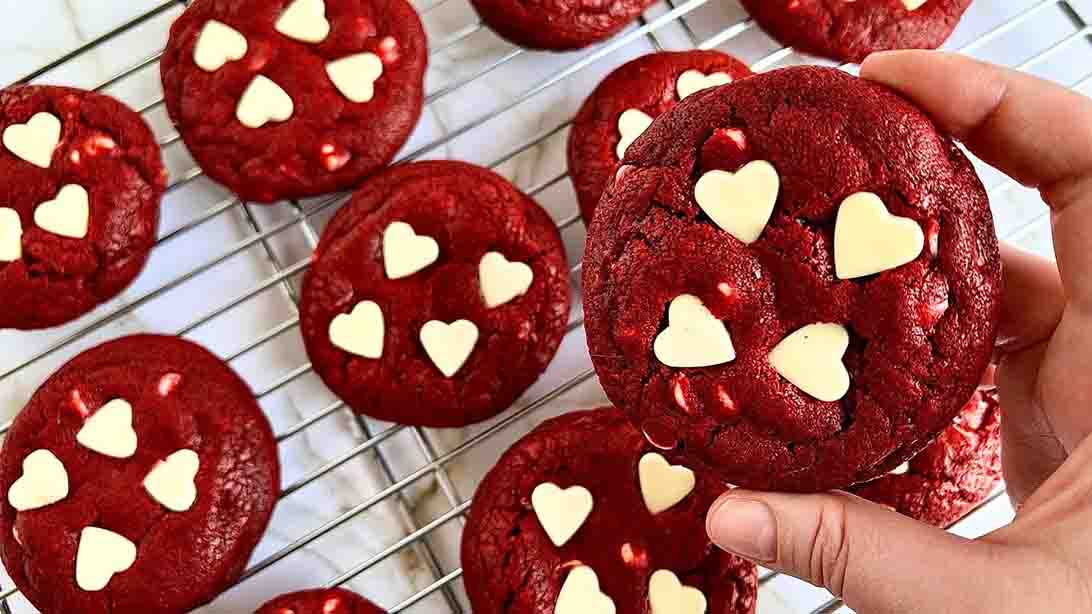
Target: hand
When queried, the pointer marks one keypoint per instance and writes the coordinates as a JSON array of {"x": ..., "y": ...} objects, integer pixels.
[{"x": 880, "y": 562}]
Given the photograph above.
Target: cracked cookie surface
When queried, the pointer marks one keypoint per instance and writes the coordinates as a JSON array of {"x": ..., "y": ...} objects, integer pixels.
[
  {"x": 182, "y": 397},
  {"x": 105, "y": 148},
  {"x": 920, "y": 334},
  {"x": 320, "y": 601},
  {"x": 468, "y": 211},
  {"x": 512, "y": 567},
  {"x": 558, "y": 24},
  {"x": 329, "y": 143}
]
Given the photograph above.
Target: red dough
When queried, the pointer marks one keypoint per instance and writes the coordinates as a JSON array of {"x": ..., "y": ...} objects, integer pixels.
[
  {"x": 647, "y": 84},
  {"x": 511, "y": 566},
  {"x": 183, "y": 398},
  {"x": 320, "y": 601},
  {"x": 469, "y": 211},
  {"x": 921, "y": 334},
  {"x": 329, "y": 143},
  {"x": 558, "y": 24},
  {"x": 107, "y": 149},
  {"x": 954, "y": 474},
  {"x": 849, "y": 31}
]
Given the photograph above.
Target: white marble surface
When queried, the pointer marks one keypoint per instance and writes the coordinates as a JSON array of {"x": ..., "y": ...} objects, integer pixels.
[{"x": 336, "y": 480}]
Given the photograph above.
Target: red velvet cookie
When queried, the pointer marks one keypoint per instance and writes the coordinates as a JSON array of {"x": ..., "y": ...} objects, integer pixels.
[
  {"x": 137, "y": 480},
  {"x": 531, "y": 545},
  {"x": 437, "y": 295},
  {"x": 624, "y": 105},
  {"x": 320, "y": 601},
  {"x": 80, "y": 184},
  {"x": 849, "y": 31},
  {"x": 558, "y": 25},
  {"x": 794, "y": 280},
  {"x": 953, "y": 475},
  {"x": 294, "y": 98}
]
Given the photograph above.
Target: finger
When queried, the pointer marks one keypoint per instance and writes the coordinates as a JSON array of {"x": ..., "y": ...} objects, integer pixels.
[
  {"x": 1035, "y": 131},
  {"x": 874, "y": 558},
  {"x": 1032, "y": 302}
]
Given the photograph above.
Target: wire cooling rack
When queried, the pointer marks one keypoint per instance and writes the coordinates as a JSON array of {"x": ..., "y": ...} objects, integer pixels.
[{"x": 223, "y": 268}]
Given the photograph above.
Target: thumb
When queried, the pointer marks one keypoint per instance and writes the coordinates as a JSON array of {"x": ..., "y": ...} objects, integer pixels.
[{"x": 872, "y": 557}]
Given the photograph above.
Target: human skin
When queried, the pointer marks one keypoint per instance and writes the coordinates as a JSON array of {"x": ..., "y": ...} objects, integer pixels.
[{"x": 1040, "y": 134}]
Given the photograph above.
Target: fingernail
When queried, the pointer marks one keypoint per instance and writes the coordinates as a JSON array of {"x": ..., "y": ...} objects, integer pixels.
[{"x": 745, "y": 527}]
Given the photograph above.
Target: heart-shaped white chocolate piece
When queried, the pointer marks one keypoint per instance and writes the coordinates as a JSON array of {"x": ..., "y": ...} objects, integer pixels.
[
  {"x": 360, "y": 332},
  {"x": 68, "y": 215},
  {"x": 217, "y": 45},
  {"x": 695, "y": 80},
  {"x": 35, "y": 140},
  {"x": 913, "y": 5},
  {"x": 100, "y": 555},
  {"x": 741, "y": 202},
  {"x": 305, "y": 21},
  {"x": 666, "y": 595},
  {"x": 44, "y": 482},
  {"x": 561, "y": 512},
  {"x": 581, "y": 595},
  {"x": 449, "y": 345},
  {"x": 811, "y": 359},
  {"x": 632, "y": 123},
  {"x": 355, "y": 75},
  {"x": 662, "y": 484},
  {"x": 405, "y": 252},
  {"x": 262, "y": 102},
  {"x": 109, "y": 431},
  {"x": 171, "y": 481},
  {"x": 693, "y": 337},
  {"x": 502, "y": 281},
  {"x": 868, "y": 239},
  {"x": 11, "y": 235}
]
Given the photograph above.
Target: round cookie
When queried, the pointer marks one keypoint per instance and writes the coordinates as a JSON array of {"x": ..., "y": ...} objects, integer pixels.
[
  {"x": 626, "y": 102},
  {"x": 320, "y": 601},
  {"x": 826, "y": 309},
  {"x": 953, "y": 475},
  {"x": 80, "y": 184},
  {"x": 849, "y": 31},
  {"x": 550, "y": 478},
  {"x": 137, "y": 480},
  {"x": 558, "y": 25},
  {"x": 294, "y": 98},
  {"x": 436, "y": 296}
]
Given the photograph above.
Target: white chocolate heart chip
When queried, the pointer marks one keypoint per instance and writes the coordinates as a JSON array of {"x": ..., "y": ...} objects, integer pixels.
[
  {"x": 109, "y": 431},
  {"x": 305, "y": 21},
  {"x": 662, "y": 484},
  {"x": 360, "y": 332},
  {"x": 262, "y": 102},
  {"x": 355, "y": 75},
  {"x": 100, "y": 555},
  {"x": 868, "y": 239},
  {"x": 449, "y": 345},
  {"x": 35, "y": 140},
  {"x": 217, "y": 45},
  {"x": 742, "y": 202},
  {"x": 170, "y": 482},
  {"x": 666, "y": 595},
  {"x": 68, "y": 215},
  {"x": 811, "y": 359},
  {"x": 913, "y": 5},
  {"x": 902, "y": 469},
  {"x": 44, "y": 482},
  {"x": 695, "y": 81},
  {"x": 561, "y": 512},
  {"x": 581, "y": 595},
  {"x": 405, "y": 252},
  {"x": 11, "y": 235},
  {"x": 693, "y": 337},
  {"x": 632, "y": 123},
  {"x": 501, "y": 280}
]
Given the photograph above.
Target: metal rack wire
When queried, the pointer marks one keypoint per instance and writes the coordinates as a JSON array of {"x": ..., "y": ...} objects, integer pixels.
[{"x": 676, "y": 14}]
